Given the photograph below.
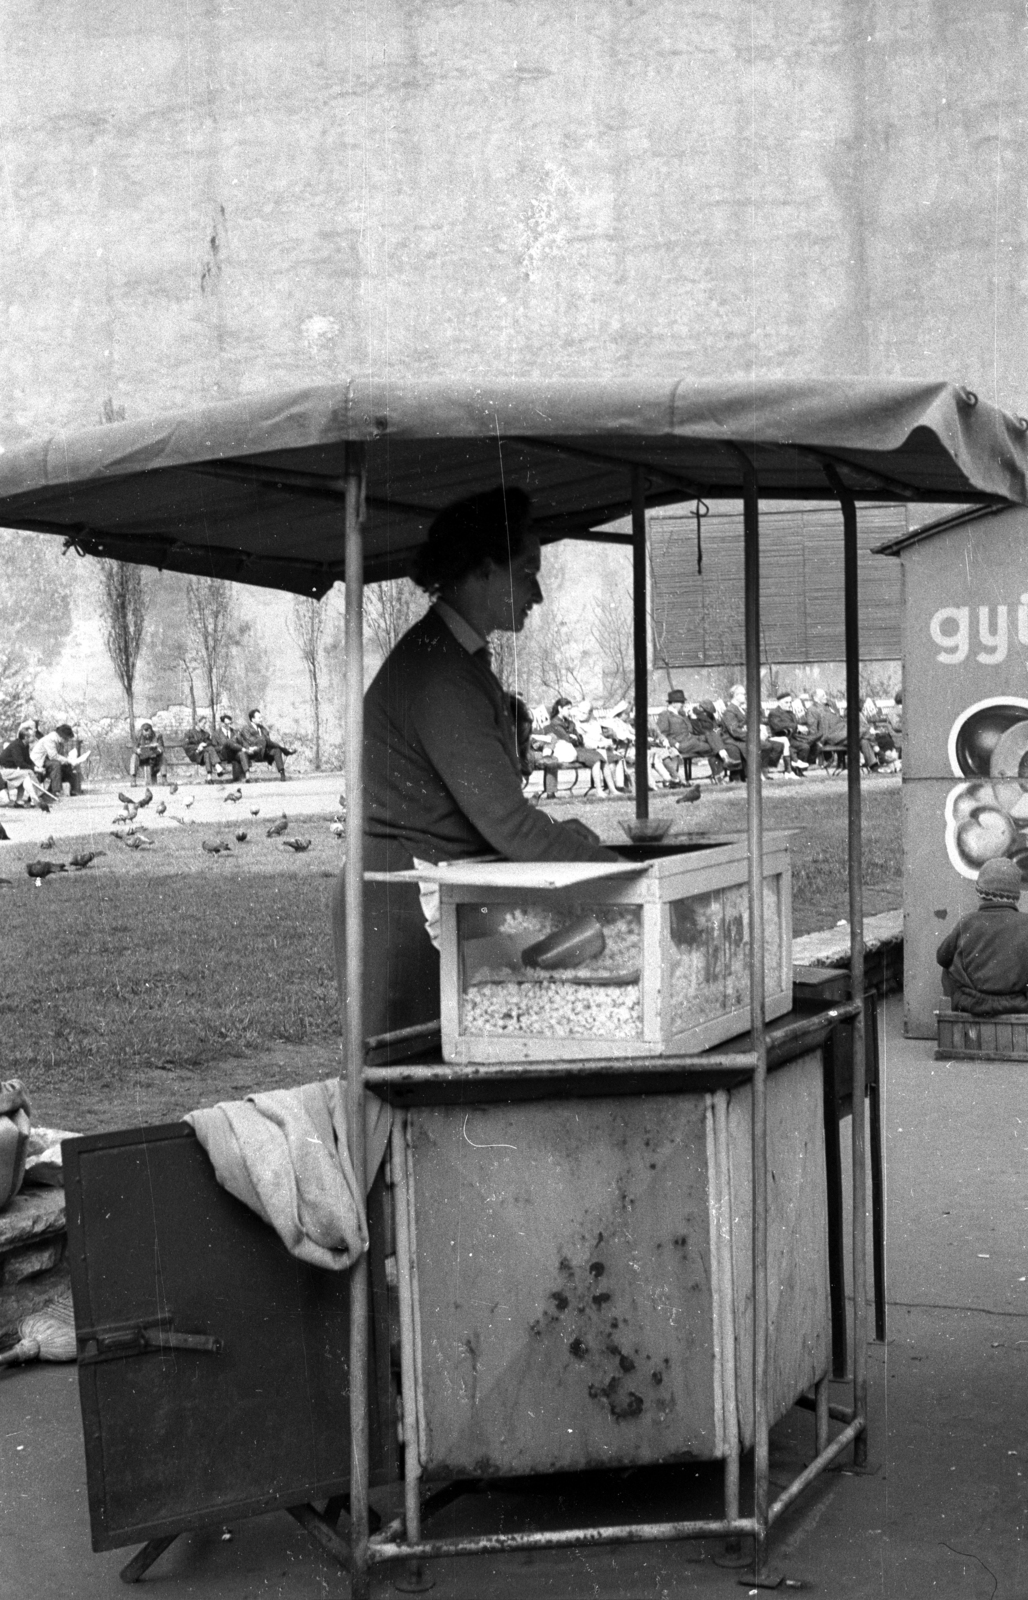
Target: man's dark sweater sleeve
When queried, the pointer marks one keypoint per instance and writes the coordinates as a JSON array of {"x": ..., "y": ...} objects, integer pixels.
[
  {"x": 948, "y": 948},
  {"x": 465, "y": 745}
]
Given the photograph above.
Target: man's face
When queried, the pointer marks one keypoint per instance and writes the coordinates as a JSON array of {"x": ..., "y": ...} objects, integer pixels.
[{"x": 512, "y": 591}]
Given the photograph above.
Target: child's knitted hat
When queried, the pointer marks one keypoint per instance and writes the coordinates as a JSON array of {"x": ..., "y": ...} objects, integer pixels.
[{"x": 999, "y": 880}]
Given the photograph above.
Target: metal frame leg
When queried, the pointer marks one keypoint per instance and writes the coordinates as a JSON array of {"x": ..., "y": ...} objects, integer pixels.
[
  {"x": 874, "y": 1101},
  {"x": 145, "y": 1557},
  {"x": 353, "y": 889},
  {"x": 755, "y": 838}
]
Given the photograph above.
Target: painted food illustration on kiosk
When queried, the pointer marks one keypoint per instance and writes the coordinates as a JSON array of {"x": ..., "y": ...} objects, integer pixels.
[
  {"x": 987, "y": 813},
  {"x": 552, "y": 970}
]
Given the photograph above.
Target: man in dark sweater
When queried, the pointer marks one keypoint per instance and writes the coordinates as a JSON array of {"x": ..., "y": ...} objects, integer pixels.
[
  {"x": 16, "y": 766},
  {"x": 442, "y": 778},
  {"x": 985, "y": 957}
]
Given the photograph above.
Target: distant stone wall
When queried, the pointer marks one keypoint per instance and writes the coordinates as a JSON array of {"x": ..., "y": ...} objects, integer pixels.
[{"x": 202, "y": 201}]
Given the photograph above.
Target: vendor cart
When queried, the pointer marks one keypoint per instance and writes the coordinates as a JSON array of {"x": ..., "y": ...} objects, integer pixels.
[{"x": 662, "y": 1293}]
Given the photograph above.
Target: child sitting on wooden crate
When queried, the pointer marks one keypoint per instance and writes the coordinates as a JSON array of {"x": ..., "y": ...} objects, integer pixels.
[{"x": 985, "y": 957}]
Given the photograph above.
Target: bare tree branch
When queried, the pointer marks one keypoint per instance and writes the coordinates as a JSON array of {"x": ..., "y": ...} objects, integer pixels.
[
  {"x": 15, "y": 685},
  {"x": 210, "y": 615},
  {"x": 307, "y": 627},
  {"x": 389, "y": 610},
  {"x": 615, "y": 645},
  {"x": 123, "y": 608}
]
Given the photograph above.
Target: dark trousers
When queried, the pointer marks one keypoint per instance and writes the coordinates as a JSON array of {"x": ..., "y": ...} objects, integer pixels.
[
  {"x": 234, "y": 755},
  {"x": 273, "y": 754},
  {"x": 207, "y": 758},
  {"x": 59, "y": 773}
]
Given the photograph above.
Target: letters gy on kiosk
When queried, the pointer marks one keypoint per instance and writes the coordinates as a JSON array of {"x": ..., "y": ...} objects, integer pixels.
[{"x": 965, "y": 727}]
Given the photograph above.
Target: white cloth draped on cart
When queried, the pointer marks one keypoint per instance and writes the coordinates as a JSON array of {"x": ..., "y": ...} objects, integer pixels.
[{"x": 284, "y": 1153}]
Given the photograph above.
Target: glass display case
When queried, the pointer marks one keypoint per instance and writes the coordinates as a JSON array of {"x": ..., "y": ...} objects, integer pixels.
[{"x": 647, "y": 957}]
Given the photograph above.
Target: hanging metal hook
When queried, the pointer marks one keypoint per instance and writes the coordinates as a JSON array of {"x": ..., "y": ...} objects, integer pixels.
[{"x": 702, "y": 510}]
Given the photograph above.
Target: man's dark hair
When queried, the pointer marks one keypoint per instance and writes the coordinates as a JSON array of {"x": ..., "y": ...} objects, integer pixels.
[
  {"x": 489, "y": 526},
  {"x": 64, "y": 731},
  {"x": 251, "y": 714}
]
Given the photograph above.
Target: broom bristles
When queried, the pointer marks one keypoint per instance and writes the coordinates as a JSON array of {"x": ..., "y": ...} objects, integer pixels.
[{"x": 44, "y": 1335}]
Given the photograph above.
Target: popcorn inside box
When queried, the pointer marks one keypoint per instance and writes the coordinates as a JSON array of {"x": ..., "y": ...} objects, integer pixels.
[{"x": 573, "y": 960}]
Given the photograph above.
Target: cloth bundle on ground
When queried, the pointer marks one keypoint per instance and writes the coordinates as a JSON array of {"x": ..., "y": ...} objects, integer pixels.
[
  {"x": 15, "y": 1127},
  {"x": 284, "y": 1154}
]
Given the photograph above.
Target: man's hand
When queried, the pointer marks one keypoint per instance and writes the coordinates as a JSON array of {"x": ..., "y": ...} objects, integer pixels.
[{"x": 579, "y": 828}]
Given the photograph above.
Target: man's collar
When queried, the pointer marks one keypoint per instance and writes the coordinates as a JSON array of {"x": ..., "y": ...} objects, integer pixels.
[{"x": 462, "y": 631}]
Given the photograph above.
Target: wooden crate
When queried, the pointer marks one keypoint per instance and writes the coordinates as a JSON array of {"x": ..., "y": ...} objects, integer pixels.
[
  {"x": 962, "y": 1037},
  {"x": 678, "y": 919}
]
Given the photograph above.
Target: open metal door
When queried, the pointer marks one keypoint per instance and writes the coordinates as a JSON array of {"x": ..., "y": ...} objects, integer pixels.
[{"x": 213, "y": 1366}]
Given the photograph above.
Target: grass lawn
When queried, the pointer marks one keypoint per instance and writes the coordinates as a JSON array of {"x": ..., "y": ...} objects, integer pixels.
[{"x": 160, "y": 980}]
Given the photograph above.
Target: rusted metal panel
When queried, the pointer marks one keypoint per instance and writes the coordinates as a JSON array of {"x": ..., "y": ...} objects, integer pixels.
[
  {"x": 564, "y": 1262},
  {"x": 570, "y": 1313}
]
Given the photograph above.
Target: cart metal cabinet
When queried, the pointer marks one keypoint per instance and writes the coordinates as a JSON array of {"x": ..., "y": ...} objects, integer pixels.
[{"x": 213, "y": 1366}]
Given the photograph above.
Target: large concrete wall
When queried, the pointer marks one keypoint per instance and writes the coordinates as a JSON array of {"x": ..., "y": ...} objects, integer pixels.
[{"x": 203, "y": 198}]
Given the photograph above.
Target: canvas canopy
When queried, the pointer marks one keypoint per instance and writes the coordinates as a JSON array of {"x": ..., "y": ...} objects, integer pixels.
[{"x": 252, "y": 489}]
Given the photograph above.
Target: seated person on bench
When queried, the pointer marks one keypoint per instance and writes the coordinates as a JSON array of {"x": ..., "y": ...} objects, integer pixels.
[
  {"x": 535, "y": 750},
  {"x": 256, "y": 739},
  {"x": 676, "y": 727},
  {"x": 148, "y": 754},
  {"x": 985, "y": 957}
]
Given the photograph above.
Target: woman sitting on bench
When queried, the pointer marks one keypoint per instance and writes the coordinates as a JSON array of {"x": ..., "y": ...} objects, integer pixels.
[
  {"x": 985, "y": 957},
  {"x": 148, "y": 756}
]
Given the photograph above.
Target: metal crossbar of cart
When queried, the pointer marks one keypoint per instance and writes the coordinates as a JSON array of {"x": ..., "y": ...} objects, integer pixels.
[{"x": 254, "y": 491}]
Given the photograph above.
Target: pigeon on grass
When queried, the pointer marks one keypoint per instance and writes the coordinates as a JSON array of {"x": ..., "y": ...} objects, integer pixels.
[{"x": 43, "y": 869}]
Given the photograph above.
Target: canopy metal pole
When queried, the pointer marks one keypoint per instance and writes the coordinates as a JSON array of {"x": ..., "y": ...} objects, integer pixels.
[
  {"x": 755, "y": 834},
  {"x": 353, "y": 897},
  {"x": 852, "y": 614},
  {"x": 851, "y": 605},
  {"x": 640, "y": 625}
]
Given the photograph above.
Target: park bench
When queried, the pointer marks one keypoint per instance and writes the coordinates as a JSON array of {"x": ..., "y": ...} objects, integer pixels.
[
  {"x": 176, "y": 761},
  {"x": 175, "y": 758},
  {"x": 573, "y": 778}
]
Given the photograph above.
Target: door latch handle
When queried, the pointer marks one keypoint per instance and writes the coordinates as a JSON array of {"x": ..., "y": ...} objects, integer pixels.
[{"x": 117, "y": 1341}]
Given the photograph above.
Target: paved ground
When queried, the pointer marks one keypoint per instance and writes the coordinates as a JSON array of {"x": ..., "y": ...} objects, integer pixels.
[
  {"x": 941, "y": 1511},
  {"x": 91, "y": 813}
]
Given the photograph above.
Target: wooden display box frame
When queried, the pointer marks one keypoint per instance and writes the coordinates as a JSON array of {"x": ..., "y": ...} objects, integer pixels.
[
  {"x": 651, "y": 878},
  {"x": 962, "y": 1037}
]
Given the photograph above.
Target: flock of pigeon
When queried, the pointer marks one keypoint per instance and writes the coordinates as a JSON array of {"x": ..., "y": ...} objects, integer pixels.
[{"x": 125, "y": 828}]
